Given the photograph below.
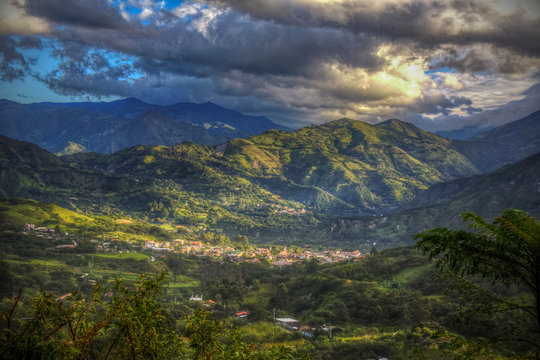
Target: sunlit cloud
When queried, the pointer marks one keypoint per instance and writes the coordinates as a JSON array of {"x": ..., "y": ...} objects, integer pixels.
[{"x": 15, "y": 20}]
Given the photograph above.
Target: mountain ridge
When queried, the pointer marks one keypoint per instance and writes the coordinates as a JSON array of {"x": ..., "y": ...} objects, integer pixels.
[{"x": 54, "y": 125}]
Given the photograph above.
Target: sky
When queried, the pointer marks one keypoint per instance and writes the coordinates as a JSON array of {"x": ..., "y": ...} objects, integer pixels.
[{"x": 440, "y": 64}]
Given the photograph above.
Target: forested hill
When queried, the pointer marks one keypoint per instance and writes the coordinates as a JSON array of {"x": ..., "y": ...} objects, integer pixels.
[
  {"x": 366, "y": 168},
  {"x": 514, "y": 186},
  {"x": 276, "y": 181}
]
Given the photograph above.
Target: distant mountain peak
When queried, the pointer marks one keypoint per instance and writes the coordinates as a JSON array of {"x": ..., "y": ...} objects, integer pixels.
[
  {"x": 132, "y": 100},
  {"x": 396, "y": 122},
  {"x": 5, "y": 102}
]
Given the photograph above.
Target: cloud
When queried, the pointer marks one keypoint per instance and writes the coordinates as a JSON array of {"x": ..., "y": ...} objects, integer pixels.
[
  {"x": 451, "y": 81},
  {"x": 14, "y": 64},
  {"x": 428, "y": 22},
  {"x": 97, "y": 14},
  {"x": 14, "y": 19},
  {"x": 523, "y": 103},
  {"x": 299, "y": 61}
]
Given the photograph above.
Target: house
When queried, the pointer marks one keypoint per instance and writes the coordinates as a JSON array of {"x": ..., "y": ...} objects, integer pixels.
[
  {"x": 288, "y": 323},
  {"x": 241, "y": 314},
  {"x": 307, "y": 331},
  {"x": 149, "y": 244},
  {"x": 196, "y": 297},
  {"x": 64, "y": 246},
  {"x": 29, "y": 226}
]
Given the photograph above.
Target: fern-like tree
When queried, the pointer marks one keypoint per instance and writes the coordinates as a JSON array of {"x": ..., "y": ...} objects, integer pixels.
[{"x": 505, "y": 252}]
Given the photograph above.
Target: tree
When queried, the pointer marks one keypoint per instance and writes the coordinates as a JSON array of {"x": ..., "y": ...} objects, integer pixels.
[
  {"x": 241, "y": 241},
  {"x": 505, "y": 252},
  {"x": 126, "y": 323}
]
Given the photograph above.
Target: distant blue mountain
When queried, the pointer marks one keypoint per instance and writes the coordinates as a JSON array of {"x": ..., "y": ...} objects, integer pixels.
[
  {"x": 103, "y": 126},
  {"x": 463, "y": 133},
  {"x": 219, "y": 120}
]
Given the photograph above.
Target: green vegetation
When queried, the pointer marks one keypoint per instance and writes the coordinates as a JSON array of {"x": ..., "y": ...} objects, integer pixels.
[
  {"x": 314, "y": 187},
  {"x": 275, "y": 187},
  {"x": 127, "y": 322},
  {"x": 514, "y": 186},
  {"x": 505, "y": 252},
  {"x": 383, "y": 305}
]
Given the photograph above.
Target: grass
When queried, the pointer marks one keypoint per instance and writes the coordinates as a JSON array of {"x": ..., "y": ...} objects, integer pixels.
[
  {"x": 123, "y": 256},
  {"x": 411, "y": 273},
  {"x": 20, "y": 212},
  {"x": 182, "y": 282}
]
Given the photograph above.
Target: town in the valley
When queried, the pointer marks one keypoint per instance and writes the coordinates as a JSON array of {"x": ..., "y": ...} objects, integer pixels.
[{"x": 277, "y": 256}]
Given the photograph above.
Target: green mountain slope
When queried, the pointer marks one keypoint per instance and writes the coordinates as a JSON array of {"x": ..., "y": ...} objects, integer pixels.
[
  {"x": 351, "y": 165},
  {"x": 270, "y": 183},
  {"x": 514, "y": 186},
  {"x": 148, "y": 191},
  {"x": 372, "y": 168},
  {"x": 28, "y": 171}
]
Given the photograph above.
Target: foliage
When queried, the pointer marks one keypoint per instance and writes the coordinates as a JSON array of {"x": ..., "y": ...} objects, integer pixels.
[
  {"x": 124, "y": 323},
  {"x": 505, "y": 252}
]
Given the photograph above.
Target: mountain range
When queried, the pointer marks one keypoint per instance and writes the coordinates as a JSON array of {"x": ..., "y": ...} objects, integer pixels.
[
  {"x": 334, "y": 181},
  {"x": 107, "y": 127},
  {"x": 514, "y": 186}
]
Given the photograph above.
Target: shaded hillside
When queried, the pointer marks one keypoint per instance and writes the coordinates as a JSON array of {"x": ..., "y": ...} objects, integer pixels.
[
  {"x": 514, "y": 186},
  {"x": 102, "y": 126},
  {"x": 503, "y": 145},
  {"x": 217, "y": 119},
  {"x": 275, "y": 185},
  {"x": 463, "y": 133},
  {"x": 53, "y": 126},
  {"x": 151, "y": 128},
  {"x": 28, "y": 171}
]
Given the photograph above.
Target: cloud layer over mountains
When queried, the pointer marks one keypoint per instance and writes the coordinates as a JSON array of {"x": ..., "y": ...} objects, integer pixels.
[{"x": 440, "y": 64}]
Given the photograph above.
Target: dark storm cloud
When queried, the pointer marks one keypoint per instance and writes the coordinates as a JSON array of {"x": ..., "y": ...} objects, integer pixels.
[
  {"x": 233, "y": 43},
  {"x": 291, "y": 58},
  {"x": 14, "y": 65},
  {"x": 85, "y": 13},
  {"x": 483, "y": 58},
  {"x": 437, "y": 104},
  {"x": 292, "y": 38},
  {"x": 427, "y": 23}
]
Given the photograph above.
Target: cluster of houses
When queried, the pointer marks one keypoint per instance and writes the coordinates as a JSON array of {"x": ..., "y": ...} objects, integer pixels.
[
  {"x": 254, "y": 254},
  {"x": 50, "y": 234},
  {"x": 277, "y": 258},
  {"x": 287, "y": 210}
]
